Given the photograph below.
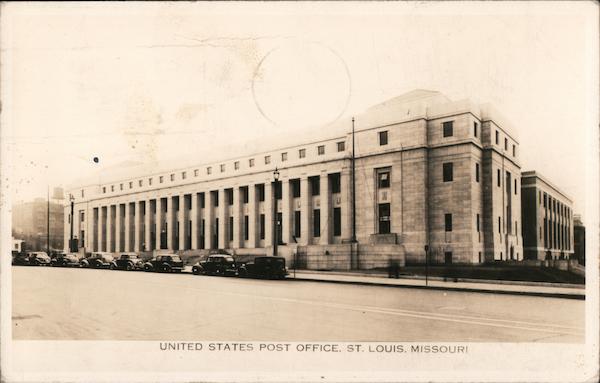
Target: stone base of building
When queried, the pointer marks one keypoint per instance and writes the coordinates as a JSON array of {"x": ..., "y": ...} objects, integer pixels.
[{"x": 543, "y": 255}]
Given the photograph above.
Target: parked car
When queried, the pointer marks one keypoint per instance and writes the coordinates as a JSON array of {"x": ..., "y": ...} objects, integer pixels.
[
  {"x": 216, "y": 264},
  {"x": 97, "y": 260},
  {"x": 20, "y": 259},
  {"x": 38, "y": 258},
  {"x": 264, "y": 267},
  {"x": 65, "y": 260},
  {"x": 128, "y": 261},
  {"x": 165, "y": 263}
]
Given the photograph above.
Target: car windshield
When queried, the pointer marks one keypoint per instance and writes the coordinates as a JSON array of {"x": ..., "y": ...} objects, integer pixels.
[
  {"x": 229, "y": 259},
  {"x": 108, "y": 257},
  {"x": 176, "y": 258}
]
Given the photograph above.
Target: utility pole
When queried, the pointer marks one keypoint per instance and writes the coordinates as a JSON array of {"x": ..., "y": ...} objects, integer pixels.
[
  {"x": 353, "y": 257},
  {"x": 71, "y": 244},
  {"x": 48, "y": 222},
  {"x": 275, "y": 220}
]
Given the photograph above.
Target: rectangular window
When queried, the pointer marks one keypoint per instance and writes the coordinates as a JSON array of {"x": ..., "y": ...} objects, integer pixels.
[
  {"x": 515, "y": 186},
  {"x": 251, "y": 162},
  {"x": 448, "y": 222},
  {"x": 448, "y": 171},
  {"x": 384, "y": 218},
  {"x": 383, "y": 179},
  {"x": 497, "y": 138},
  {"x": 112, "y": 188},
  {"x": 295, "y": 188},
  {"x": 315, "y": 185},
  {"x": 297, "y": 223},
  {"x": 230, "y": 228},
  {"x": 183, "y": 175},
  {"x": 81, "y": 216},
  {"x": 383, "y": 138},
  {"x": 337, "y": 221},
  {"x": 341, "y": 146},
  {"x": 209, "y": 170},
  {"x": 121, "y": 186},
  {"x": 150, "y": 181},
  {"x": 321, "y": 150},
  {"x": 505, "y": 143},
  {"x": 131, "y": 185},
  {"x": 545, "y": 199},
  {"x": 202, "y": 202},
  {"x": 301, "y": 153},
  {"x": 216, "y": 198},
  {"x": 222, "y": 166},
  {"x": 245, "y": 196},
  {"x": 229, "y": 196},
  {"x": 82, "y": 193},
  {"x": 267, "y": 160},
  {"x": 335, "y": 182},
  {"x": 140, "y": 183},
  {"x": 261, "y": 192},
  {"x": 476, "y": 172},
  {"x": 283, "y": 156},
  {"x": 498, "y": 177},
  {"x": 262, "y": 226},
  {"x": 514, "y": 151},
  {"x": 478, "y": 227},
  {"x": 246, "y": 227},
  {"x": 499, "y": 225},
  {"x": 160, "y": 179},
  {"x": 172, "y": 177},
  {"x": 236, "y": 165},
  {"x": 448, "y": 128},
  {"x": 475, "y": 129},
  {"x": 195, "y": 172},
  {"x": 316, "y": 223}
]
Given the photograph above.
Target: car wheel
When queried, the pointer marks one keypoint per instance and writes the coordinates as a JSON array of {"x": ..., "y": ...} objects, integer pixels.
[
  {"x": 128, "y": 267},
  {"x": 166, "y": 269},
  {"x": 195, "y": 271},
  {"x": 147, "y": 268},
  {"x": 243, "y": 273},
  {"x": 112, "y": 266}
]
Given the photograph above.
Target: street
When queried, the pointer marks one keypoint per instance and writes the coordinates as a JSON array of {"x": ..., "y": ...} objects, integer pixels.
[{"x": 84, "y": 304}]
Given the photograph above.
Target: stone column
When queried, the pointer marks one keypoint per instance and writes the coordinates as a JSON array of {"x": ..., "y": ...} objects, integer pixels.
[
  {"x": 346, "y": 203},
  {"x": 136, "y": 226},
  {"x": 208, "y": 219},
  {"x": 118, "y": 227},
  {"x": 91, "y": 233},
  {"x": 170, "y": 222},
  {"x": 147, "y": 222},
  {"x": 127, "y": 223},
  {"x": 325, "y": 199},
  {"x": 252, "y": 217},
  {"x": 287, "y": 213},
  {"x": 100, "y": 227},
  {"x": 108, "y": 227},
  {"x": 182, "y": 222},
  {"x": 223, "y": 220},
  {"x": 269, "y": 205},
  {"x": 305, "y": 211},
  {"x": 158, "y": 222},
  {"x": 194, "y": 208},
  {"x": 238, "y": 219}
]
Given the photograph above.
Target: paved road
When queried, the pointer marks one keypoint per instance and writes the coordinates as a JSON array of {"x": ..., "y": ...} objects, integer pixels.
[{"x": 78, "y": 304}]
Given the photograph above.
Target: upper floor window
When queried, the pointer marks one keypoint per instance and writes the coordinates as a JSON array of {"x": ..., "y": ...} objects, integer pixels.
[
  {"x": 341, "y": 146},
  {"x": 236, "y": 165},
  {"x": 497, "y": 138},
  {"x": 103, "y": 189},
  {"x": 475, "y": 129},
  {"x": 498, "y": 177},
  {"x": 140, "y": 183},
  {"x": 183, "y": 175},
  {"x": 112, "y": 188},
  {"x": 448, "y": 128},
  {"x": 315, "y": 185},
  {"x": 160, "y": 179},
  {"x": 321, "y": 150},
  {"x": 515, "y": 186},
  {"x": 284, "y": 156},
  {"x": 261, "y": 192},
  {"x": 301, "y": 153},
  {"x": 514, "y": 150},
  {"x": 251, "y": 162},
  {"x": 383, "y": 179},
  {"x": 172, "y": 177},
  {"x": 150, "y": 181},
  {"x": 222, "y": 166},
  {"x": 448, "y": 171},
  {"x": 506, "y": 144},
  {"x": 120, "y": 186},
  {"x": 448, "y": 222},
  {"x": 476, "y": 172},
  {"x": 383, "y": 137},
  {"x": 335, "y": 182},
  {"x": 209, "y": 170},
  {"x": 267, "y": 160},
  {"x": 195, "y": 172},
  {"x": 295, "y": 188},
  {"x": 131, "y": 185},
  {"x": 82, "y": 193}
]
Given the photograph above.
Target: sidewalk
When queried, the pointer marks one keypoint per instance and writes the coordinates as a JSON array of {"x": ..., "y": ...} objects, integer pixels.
[{"x": 483, "y": 286}]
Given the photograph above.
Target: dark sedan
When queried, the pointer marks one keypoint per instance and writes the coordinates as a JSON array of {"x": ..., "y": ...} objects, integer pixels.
[
  {"x": 165, "y": 263},
  {"x": 66, "y": 260},
  {"x": 98, "y": 260},
  {"x": 264, "y": 267},
  {"x": 38, "y": 258},
  {"x": 128, "y": 261},
  {"x": 216, "y": 264}
]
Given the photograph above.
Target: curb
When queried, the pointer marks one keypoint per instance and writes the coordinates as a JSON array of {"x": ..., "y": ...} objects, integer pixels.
[{"x": 460, "y": 289}]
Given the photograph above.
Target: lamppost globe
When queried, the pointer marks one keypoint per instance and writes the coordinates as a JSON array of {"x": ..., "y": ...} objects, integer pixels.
[{"x": 276, "y": 174}]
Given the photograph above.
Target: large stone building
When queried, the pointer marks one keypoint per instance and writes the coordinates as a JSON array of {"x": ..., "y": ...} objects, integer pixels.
[
  {"x": 30, "y": 223},
  {"x": 547, "y": 219},
  {"x": 579, "y": 239},
  {"x": 428, "y": 171}
]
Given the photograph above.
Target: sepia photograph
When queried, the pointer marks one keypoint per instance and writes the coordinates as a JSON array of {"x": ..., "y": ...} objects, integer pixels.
[{"x": 299, "y": 191}]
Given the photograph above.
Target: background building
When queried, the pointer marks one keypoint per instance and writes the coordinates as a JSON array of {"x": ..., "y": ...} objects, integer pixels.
[
  {"x": 428, "y": 171},
  {"x": 30, "y": 223},
  {"x": 579, "y": 239},
  {"x": 547, "y": 219}
]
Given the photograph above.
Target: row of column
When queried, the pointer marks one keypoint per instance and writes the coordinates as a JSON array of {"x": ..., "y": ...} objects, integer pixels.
[{"x": 192, "y": 221}]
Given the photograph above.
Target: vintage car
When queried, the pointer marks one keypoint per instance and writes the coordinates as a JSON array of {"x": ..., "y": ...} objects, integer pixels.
[
  {"x": 20, "y": 259},
  {"x": 66, "y": 260},
  {"x": 98, "y": 260},
  {"x": 127, "y": 261},
  {"x": 216, "y": 264},
  {"x": 164, "y": 263},
  {"x": 38, "y": 258},
  {"x": 264, "y": 267}
]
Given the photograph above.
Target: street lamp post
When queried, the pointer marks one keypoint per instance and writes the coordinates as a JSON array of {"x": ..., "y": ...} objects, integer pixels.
[
  {"x": 275, "y": 221},
  {"x": 426, "y": 265},
  {"x": 71, "y": 244}
]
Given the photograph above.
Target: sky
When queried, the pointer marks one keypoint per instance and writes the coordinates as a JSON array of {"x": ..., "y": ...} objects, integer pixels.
[{"x": 168, "y": 85}]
